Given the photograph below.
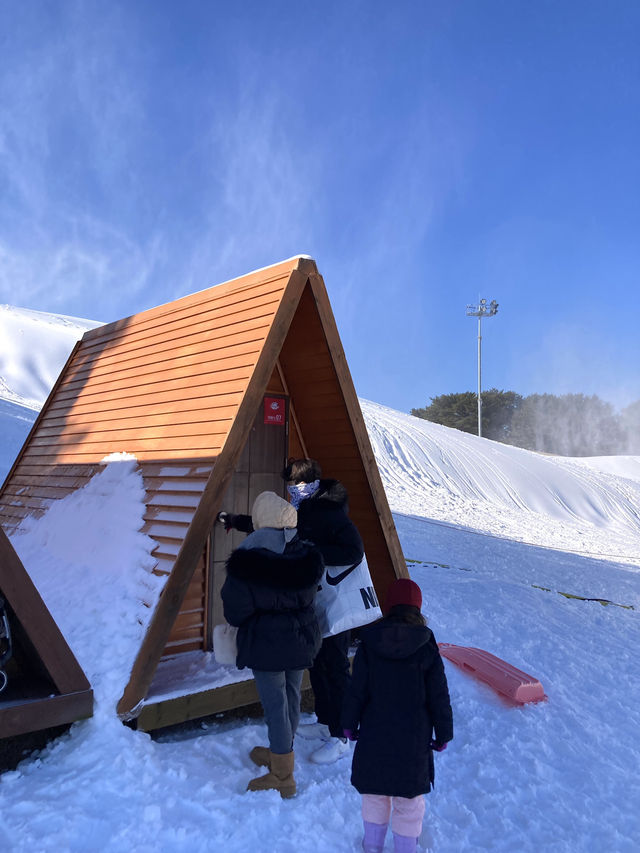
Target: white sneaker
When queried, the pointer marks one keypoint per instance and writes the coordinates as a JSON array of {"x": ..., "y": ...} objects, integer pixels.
[
  {"x": 314, "y": 731},
  {"x": 330, "y": 751}
]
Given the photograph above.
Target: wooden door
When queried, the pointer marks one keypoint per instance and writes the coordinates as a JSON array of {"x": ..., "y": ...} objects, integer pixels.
[{"x": 258, "y": 470}]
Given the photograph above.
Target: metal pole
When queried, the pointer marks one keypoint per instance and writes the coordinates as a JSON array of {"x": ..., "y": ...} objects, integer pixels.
[
  {"x": 480, "y": 376},
  {"x": 481, "y": 310}
]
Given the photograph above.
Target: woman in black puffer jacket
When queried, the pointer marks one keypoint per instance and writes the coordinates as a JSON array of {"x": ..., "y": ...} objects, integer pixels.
[
  {"x": 272, "y": 579},
  {"x": 323, "y": 519}
]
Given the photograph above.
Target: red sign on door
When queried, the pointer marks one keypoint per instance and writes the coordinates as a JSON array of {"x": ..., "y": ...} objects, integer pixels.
[{"x": 274, "y": 410}]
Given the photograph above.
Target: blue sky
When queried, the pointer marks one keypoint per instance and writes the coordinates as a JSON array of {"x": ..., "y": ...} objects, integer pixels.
[{"x": 425, "y": 154}]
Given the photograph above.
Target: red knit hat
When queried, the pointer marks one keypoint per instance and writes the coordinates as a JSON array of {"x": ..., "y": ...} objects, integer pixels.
[{"x": 403, "y": 591}]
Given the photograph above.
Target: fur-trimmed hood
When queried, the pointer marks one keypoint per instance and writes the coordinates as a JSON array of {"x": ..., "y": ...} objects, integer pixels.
[
  {"x": 300, "y": 566},
  {"x": 333, "y": 492}
]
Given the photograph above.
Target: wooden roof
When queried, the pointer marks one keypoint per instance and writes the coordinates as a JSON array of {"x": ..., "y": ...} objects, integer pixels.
[
  {"x": 26, "y": 710},
  {"x": 179, "y": 386}
]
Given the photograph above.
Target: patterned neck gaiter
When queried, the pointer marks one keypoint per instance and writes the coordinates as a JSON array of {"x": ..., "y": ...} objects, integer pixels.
[{"x": 300, "y": 491}]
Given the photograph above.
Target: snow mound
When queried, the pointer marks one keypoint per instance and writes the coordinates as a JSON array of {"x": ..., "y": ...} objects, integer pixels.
[{"x": 93, "y": 568}]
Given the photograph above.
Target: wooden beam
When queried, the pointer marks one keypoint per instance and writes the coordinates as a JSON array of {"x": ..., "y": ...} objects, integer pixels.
[
  {"x": 355, "y": 414},
  {"x": 32, "y": 613},
  {"x": 197, "y": 705},
  {"x": 35, "y": 715},
  {"x": 292, "y": 410},
  {"x": 40, "y": 416}
]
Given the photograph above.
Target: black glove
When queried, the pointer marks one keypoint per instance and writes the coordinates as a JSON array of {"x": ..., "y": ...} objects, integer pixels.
[
  {"x": 227, "y": 519},
  {"x": 438, "y": 745}
]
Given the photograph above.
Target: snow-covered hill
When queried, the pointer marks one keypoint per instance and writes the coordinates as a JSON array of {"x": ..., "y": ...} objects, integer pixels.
[
  {"x": 33, "y": 349},
  {"x": 501, "y": 541}
]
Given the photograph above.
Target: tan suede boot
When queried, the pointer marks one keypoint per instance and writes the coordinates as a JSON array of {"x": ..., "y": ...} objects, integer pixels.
[
  {"x": 261, "y": 756},
  {"x": 279, "y": 778}
]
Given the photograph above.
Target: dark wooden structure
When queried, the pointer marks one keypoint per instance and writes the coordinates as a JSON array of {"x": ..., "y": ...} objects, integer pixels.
[
  {"x": 211, "y": 393},
  {"x": 46, "y": 687}
]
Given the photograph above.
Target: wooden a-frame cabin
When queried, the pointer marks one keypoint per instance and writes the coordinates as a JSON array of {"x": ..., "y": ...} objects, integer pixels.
[
  {"x": 43, "y": 684},
  {"x": 211, "y": 393}
]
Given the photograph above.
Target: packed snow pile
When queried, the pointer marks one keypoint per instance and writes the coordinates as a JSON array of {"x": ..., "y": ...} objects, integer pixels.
[
  {"x": 515, "y": 553},
  {"x": 93, "y": 569}
]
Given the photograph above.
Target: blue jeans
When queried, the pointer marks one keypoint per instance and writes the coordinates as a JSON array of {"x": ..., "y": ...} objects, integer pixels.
[{"x": 280, "y": 696}]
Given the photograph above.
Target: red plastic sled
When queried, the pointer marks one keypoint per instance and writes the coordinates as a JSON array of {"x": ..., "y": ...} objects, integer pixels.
[{"x": 511, "y": 683}]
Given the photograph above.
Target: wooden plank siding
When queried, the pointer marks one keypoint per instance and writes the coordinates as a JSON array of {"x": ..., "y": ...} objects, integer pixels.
[
  {"x": 165, "y": 387},
  {"x": 172, "y": 496},
  {"x": 165, "y": 384},
  {"x": 180, "y": 387},
  {"x": 168, "y": 380}
]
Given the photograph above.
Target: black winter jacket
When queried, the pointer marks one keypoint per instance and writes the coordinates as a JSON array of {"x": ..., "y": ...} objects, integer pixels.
[
  {"x": 323, "y": 520},
  {"x": 397, "y": 697},
  {"x": 269, "y": 597}
]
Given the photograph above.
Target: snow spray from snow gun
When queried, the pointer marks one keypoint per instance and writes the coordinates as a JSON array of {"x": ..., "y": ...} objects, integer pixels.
[{"x": 6, "y": 649}]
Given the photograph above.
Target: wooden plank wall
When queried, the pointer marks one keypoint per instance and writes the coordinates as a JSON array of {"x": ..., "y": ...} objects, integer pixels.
[
  {"x": 162, "y": 385},
  {"x": 173, "y": 491},
  {"x": 165, "y": 386},
  {"x": 31, "y": 490},
  {"x": 201, "y": 607}
]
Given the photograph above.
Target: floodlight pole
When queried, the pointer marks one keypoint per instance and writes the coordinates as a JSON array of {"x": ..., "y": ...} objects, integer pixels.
[{"x": 481, "y": 310}]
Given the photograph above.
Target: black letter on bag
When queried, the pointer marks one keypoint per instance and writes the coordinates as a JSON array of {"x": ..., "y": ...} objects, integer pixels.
[{"x": 369, "y": 599}]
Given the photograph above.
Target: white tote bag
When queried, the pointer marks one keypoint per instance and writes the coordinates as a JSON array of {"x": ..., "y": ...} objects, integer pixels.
[
  {"x": 225, "y": 647},
  {"x": 346, "y": 599}
]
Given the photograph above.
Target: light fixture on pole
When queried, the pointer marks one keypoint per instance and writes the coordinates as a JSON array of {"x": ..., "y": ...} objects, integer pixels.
[{"x": 481, "y": 310}]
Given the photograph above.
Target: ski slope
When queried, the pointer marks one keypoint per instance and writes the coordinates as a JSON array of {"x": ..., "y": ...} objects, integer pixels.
[{"x": 34, "y": 347}]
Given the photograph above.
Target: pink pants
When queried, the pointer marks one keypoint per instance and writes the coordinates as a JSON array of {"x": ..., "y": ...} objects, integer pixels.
[{"x": 407, "y": 814}]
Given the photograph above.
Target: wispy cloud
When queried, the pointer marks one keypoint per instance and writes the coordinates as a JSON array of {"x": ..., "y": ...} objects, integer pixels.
[
  {"x": 84, "y": 213},
  {"x": 67, "y": 110},
  {"x": 415, "y": 172},
  {"x": 259, "y": 179},
  {"x": 93, "y": 266}
]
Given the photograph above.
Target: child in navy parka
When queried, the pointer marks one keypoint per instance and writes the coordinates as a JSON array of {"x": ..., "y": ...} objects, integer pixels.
[{"x": 398, "y": 709}]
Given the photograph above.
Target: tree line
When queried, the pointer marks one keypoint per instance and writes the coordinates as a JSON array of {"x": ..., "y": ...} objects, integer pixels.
[{"x": 566, "y": 424}]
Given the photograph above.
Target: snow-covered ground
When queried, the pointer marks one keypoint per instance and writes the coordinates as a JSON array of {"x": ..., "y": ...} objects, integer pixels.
[{"x": 493, "y": 535}]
